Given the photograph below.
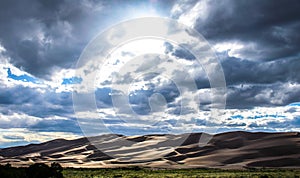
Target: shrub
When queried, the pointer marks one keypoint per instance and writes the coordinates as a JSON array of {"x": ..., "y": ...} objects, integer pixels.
[{"x": 41, "y": 170}]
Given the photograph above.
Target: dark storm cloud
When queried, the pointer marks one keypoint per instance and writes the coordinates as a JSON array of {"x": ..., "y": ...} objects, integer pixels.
[
  {"x": 271, "y": 27},
  {"x": 46, "y": 106},
  {"x": 245, "y": 97},
  {"x": 170, "y": 92},
  {"x": 178, "y": 52},
  {"x": 248, "y": 79},
  {"x": 262, "y": 71},
  {"x": 145, "y": 101},
  {"x": 181, "y": 53},
  {"x": 26, "y": 100},
  {"x": 238, "y": 71},
  {"x": 57, "y": 125},
  {"x": 38, "y": 35},
  {"x": 41, "y": 35}
]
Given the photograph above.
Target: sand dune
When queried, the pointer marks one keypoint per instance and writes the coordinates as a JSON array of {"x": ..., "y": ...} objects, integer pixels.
[{"x": 225, "y": 150}]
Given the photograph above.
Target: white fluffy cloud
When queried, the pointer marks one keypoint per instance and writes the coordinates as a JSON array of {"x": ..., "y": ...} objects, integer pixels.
[{"x": 187, "y": 12}]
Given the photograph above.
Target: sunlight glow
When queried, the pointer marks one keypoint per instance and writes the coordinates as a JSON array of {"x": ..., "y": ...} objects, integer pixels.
[{"x": 142, "y": 11}]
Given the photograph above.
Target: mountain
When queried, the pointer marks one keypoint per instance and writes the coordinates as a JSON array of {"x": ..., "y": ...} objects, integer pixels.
[{"x": 225, "y": 150}]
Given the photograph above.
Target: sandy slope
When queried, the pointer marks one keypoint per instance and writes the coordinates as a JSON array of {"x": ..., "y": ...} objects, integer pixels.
[{"x": 226, "y": 150}]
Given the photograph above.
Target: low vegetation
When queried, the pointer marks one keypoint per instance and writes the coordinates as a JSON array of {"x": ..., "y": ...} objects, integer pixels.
[
  {"x": 178, "y": 173},
  {"x": 38, "y": 170}
]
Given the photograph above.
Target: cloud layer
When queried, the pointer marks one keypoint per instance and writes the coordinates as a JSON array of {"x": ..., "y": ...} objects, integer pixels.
[{"x": 257, "y": 43}]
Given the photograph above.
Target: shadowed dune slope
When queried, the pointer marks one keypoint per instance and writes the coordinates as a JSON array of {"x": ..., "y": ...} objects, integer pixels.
[{"x": 225, "y": 150}]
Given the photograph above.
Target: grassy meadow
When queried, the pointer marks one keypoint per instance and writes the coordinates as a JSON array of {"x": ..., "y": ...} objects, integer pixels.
[{"x": 177, "y": 173}]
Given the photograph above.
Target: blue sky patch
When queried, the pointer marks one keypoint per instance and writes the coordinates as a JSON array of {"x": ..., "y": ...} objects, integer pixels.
[
  {"x": 294, "y": 104},
  {"x": 72, "y": 80},
  {"x": 264, "y": 116},
  {"x": 24, "y": 77},
  {"x": 237, "y": 117}
]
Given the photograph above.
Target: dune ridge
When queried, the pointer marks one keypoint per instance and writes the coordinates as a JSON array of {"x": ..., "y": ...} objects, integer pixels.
[{"x": 234, "y": 150}]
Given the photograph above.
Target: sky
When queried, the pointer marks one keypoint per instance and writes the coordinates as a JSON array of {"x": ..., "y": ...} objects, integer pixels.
[{"x": 257, "y": 44}]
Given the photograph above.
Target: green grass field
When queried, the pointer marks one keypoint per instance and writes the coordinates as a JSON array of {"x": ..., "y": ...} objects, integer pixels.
[{"x": 178, "y": 173}]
